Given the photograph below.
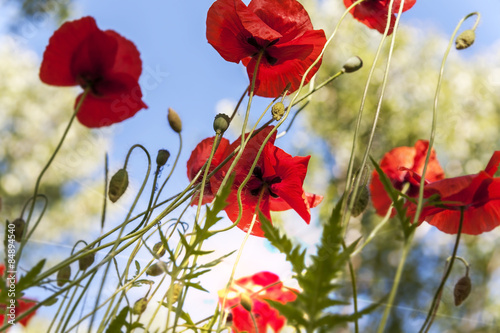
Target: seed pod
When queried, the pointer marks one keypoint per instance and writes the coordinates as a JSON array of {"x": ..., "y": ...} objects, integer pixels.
[
  {"x": 465, "y": 39},
  {"x": 175, "y": 290},
  {"x": 140, "y": 306},
  {"x": 162, "y": 157},
  {"x": 352, "y": 64},
  {"x": 174, "y": 120},
  {"x": 462, "y": 290},
  {"x": 361, "y": 202},
  {"x": 156, "y": 269},
  {"x": 63, "y": 275},
  {"x": 246, "y": 302},
  {"x": 157, "y": 247},
  {"x": 86, "y": 261},
  {"x": 221, "y": 123},
  {"x": 19, "y": 225},
  {"x": 118, "y": 185},
  {"x": 278, "y": 111}
]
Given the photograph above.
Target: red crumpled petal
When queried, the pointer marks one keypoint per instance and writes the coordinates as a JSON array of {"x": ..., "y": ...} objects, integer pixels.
[
  {"x": 249, "y": 208},
  {"x": 56, "y": 64},
  {"x": 289, "y": 18},
  {"x": 294, "y": 58},
  {"x": 128, "y": 58},
  {"x": 280, "y": 205}
]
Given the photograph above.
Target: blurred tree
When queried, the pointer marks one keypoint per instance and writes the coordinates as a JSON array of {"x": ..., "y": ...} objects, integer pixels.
[
  {"x": 35, "y": 10},
  {"x": 32, "y": 119}
]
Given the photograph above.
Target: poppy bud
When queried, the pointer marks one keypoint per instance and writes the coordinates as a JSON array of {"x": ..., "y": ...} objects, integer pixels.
[
  {"x": 156, "y": 269},
  {"x": 140, "y": 306},
  {"x": 278, "y": 111},
  {"x": 157, "y": 248},
  {"x": 221, "y": 123},
  {"x": 118, "y": 185},
  {"x": 361, "y": 201},
  {"x": 246, "y": 302},
  {"x": 174, "y": 120},
  {"x": 162, "y": 157},
  {"x": 175, "y": 290},
  {"x": 86, "y": 262},
  {"x": 19, "y": 225},
  {"x": 63, "y": 275},
  {"x": 462, "y": 290},
  {"x": 465, "y": 39},
  {"x": 352, "y": 64}
]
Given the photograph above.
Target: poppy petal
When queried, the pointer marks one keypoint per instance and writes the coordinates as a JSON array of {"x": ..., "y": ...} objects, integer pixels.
[
  {"x": 249, "y": 204},
  {"x": 56, "y": 64},
  {"x": 280, "y": 205},
  {"x": 128, "y": 58}
]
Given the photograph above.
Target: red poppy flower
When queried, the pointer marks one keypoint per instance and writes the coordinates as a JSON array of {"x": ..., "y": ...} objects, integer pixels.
[
  {"x": 479, "y": 194},
  {"x": 21, "y": 307},
  {"x": 198, "y": 158},
  {"x": 79, "y": 53},
  {"x": 397, "y": 165},
  {"x": 257, "y": 288},
  {"x": 275, "y": 185},
  {"x": 373, "y": 13},
  {"x": 280, "y": 30}
]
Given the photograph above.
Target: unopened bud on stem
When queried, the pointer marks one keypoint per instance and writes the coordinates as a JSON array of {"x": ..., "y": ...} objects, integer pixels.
[
  {"x": 140, "y": 306},
  {"x": 162, "y": 157},
  {"x": 117, "y": 185},
  {"x": 221, "y": 123},
  {"x": 465, "y": 39},
  {"x": 278, "y": 111},
  {"x": 174, "y": 120},
  {"x": 352, "y": 64}
]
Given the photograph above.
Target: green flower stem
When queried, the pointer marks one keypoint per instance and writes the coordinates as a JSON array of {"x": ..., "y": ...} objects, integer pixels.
[
  {"x": 321, "y": 85},
  {"x": 75, "y": 290},
  {"x": 397, "y": 280},
  {"x": 45, "y": 168},
  {"x": 435, "y": 301},
  {"x": 238, "y": 104},
  {"x": 434, "y": 116},
  {"x": 377, "y": 112},
  {"x": 354, "y": 289}
]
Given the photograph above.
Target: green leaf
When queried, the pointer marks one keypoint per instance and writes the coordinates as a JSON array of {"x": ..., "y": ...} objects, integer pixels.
[
  {"x": 194, "y": 275},
  {"x": 137, "y": 268},
  {"x": 294, "y": 253},
  {"x": 118, "y": 322},
  {"x": 294, "y": 315},
  {"x": 195, "y": 286},
  {"x": 216, "y": 261},
  {"x": 27, "y": 280},
  {"x": 201, "y": 253}
]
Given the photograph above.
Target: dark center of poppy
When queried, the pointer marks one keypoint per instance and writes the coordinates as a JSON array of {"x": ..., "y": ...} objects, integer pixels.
[
  {"x": 264, "y": 183},
  {"x": 270, "y": 59},
  {"x": 89, "y": 81}
]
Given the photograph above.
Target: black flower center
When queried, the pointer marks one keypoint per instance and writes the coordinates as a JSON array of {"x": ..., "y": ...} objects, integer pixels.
[
  {"x": 264, "y": 183},
  {"x": 270, "y": 59}
]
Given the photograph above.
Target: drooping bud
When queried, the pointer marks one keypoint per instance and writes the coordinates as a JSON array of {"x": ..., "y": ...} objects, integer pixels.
[
  {"x": 19, "y": 225},
  {"x": 174, "y": 291},
  {"x": 462, "y": 290},
  {"x": 278, "y": 111},
  {"x": 246, "y": 302},
  {"x": 156, "y": 269},
  {"x": 63, "y": 275},
  {"x": 162, "y": 157},
  {"x": 140, "y": 306},
  {"x": 361, "y": 201},
  {"x": 86, "y": 261},
  {"x": 174, "y": 120},
  {"x": 352, "y": 64},
  {"x": 157, "y": 248},
  {"x": 118, "y": 185},
  {"x": 221, "y": 123},
  {"x": 465, "y": 39}
]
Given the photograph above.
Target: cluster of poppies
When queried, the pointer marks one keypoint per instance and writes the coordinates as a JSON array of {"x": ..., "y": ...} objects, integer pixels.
[{"x": 477, "y": 195}]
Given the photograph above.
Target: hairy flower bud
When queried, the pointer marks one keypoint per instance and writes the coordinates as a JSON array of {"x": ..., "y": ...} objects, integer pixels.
[
  {"x": 140, "y": 306},
  {"x": 86, "y": 261},
  {"x": 63, "y": 275},
  {"x": 462, "y": 290},
  {"x": 361, "y": 201},
  {"x": 157, "y": 248},
  {"x": 156, "y": 269},
  {"x": 352, "y": 64},
  {"x": 174, "y": 120},
  {"x": 465, "y": 39},
  {"x": 246, "y": 302},
  {"x": 162, "y": 157},
  {"x": 19, "y": 225},
  {"x": 221, "y": 123},
  {"x": 278, "y": 111},
  {"x": 173, "y": 292},
  {"x": 118, "y": 185}
]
